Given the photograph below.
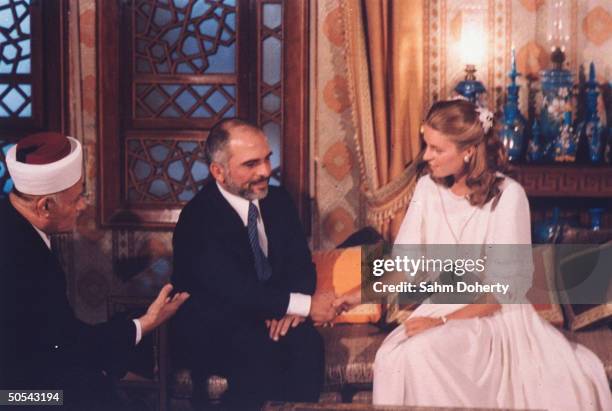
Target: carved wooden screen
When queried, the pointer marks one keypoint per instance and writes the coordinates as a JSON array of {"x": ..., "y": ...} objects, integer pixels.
[
  {"x": 178, "y": 68},
  {"x": 270, "y": 92},
  {"x": 20, "y": 29},
  {"x": 31, "y": 72},
  {"x": 185, "y": 74}
]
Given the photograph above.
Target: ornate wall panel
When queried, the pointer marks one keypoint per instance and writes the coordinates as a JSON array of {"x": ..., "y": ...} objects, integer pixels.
[
  {"x": 551, "y": 181},
  {"x": 338, "y": 209},
  {"x": 460, "y": 33},
  {"x": 593, "y": 35}
]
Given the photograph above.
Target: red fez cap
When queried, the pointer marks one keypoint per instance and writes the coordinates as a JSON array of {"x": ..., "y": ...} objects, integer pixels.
[{"x": 42, "y": 148}]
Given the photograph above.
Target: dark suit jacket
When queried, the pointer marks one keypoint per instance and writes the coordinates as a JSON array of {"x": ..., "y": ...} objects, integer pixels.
[
  {"x": 42, "y": 343},
  {"x": 213, "y": 261}
]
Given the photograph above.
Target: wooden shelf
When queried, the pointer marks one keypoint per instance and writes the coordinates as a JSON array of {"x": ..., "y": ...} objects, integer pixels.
[{"x": 552, "y": 180}]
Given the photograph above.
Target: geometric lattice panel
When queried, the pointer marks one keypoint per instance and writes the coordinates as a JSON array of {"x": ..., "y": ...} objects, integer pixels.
[
  {"x": 15, "y": 60},
  {"x": 15, "y": 100},
  {"x": 15, "y": 36},
  {"x": 270, "y": 84},
  {"x": 164, "y": 170},
  {"x": 184, "y": 36},
  {"x": 6, "y": 184},
  {"x": 199, "y": 101}
]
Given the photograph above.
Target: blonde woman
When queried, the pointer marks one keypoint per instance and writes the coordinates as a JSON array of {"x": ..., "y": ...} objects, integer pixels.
[{"x": 489, "y": 354}]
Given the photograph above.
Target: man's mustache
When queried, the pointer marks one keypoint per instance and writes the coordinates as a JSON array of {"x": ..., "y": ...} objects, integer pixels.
[{"x": 260, "y": 180}]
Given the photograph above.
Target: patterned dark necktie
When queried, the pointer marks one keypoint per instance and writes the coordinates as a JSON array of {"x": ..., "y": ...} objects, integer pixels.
[{"x": 261, "y": 262}]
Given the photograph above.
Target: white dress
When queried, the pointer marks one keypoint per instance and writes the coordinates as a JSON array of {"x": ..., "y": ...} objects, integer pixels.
[{"x": 511, "y": 359}]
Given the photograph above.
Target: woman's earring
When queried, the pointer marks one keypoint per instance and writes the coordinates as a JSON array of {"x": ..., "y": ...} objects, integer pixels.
[{"x": 466, "y": 159}]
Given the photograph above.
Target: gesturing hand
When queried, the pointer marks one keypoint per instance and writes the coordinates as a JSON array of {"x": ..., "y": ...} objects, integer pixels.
[
  {"x": 416, "y": 325},
  {"x": 279, "y": 328},
  {"x": 162, "y": 309}
]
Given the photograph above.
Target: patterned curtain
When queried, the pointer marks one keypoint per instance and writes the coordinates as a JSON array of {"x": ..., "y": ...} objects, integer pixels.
[{"x": 385, "y": 59}]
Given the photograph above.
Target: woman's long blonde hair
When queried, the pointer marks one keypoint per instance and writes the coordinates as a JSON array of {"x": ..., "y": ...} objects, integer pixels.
[{"x": 459, "y": 121}]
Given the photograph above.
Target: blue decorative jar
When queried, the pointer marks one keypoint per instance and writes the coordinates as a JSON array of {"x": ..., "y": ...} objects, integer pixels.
[
  {"x": 535, "y": 150},
  {"x": 591, "y": 129},
  {"x": 595, "y": 215},
  {"x": 565, "y": 144},
  {"x": 557, "y": 100},
  {"x": 548, "y": 231},
  {"x": 512, "y": 133}
]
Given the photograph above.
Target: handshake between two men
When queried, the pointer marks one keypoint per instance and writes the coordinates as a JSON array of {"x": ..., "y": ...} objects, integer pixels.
[{"x": 324, "y": 308}]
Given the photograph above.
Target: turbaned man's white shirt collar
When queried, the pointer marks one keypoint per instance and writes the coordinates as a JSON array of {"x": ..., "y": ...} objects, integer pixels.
[{"x": 44, "y": 236}]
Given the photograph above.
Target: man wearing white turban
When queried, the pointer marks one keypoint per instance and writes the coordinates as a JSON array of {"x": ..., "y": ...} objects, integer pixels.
[{"x": 43, "y": 345}]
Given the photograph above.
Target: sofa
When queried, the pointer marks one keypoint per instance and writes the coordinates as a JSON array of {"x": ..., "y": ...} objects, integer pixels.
[
  {"x": 349, "y": 351},
  {"x": 350, "y": 348}
]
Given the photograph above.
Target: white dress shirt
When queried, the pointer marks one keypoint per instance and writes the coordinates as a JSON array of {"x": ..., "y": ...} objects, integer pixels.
[
  {"x": 47, "y": 241},
  {"x": 299, "y": 304}
]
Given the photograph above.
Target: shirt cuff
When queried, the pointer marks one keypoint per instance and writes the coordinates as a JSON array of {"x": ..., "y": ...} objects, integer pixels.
[
  {"x": 299, "y": 304},
  {"x": 138, "y": 331}
]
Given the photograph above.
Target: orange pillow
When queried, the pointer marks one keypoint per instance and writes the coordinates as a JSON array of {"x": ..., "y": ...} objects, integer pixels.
[{"x": 339, "y": 271}]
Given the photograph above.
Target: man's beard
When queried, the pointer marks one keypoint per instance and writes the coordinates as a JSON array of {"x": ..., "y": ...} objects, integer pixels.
[{"x": 246, "y": 191}]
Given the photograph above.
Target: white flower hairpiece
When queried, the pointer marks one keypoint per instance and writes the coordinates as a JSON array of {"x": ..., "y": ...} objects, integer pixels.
[{"x": 486, "y": 118}]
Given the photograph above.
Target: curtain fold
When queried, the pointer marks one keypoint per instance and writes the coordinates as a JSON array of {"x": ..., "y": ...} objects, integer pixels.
[{"x": 385, "y": 59}]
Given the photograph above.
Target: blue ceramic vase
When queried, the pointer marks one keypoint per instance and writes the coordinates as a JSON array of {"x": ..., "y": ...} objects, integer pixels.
[
  {"x": 547, "y": 231},
  {"x": 565, "y": 144},
  {"x": 535, "y": 149},
  {"x": 592, "y": 129},
  {"x": 595, "y": 215},
  {"x": 512, "y": 133},
  {"x": 556, "y": 102}
]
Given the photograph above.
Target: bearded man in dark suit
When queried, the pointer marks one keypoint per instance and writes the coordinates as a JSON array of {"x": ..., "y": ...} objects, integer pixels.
[{"x": 240, "y": 251}]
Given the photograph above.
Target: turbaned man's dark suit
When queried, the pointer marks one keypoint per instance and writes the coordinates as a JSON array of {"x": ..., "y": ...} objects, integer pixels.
[
  {"x": 222, "y": 325},
  {"x": 42, "y": 344}
]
